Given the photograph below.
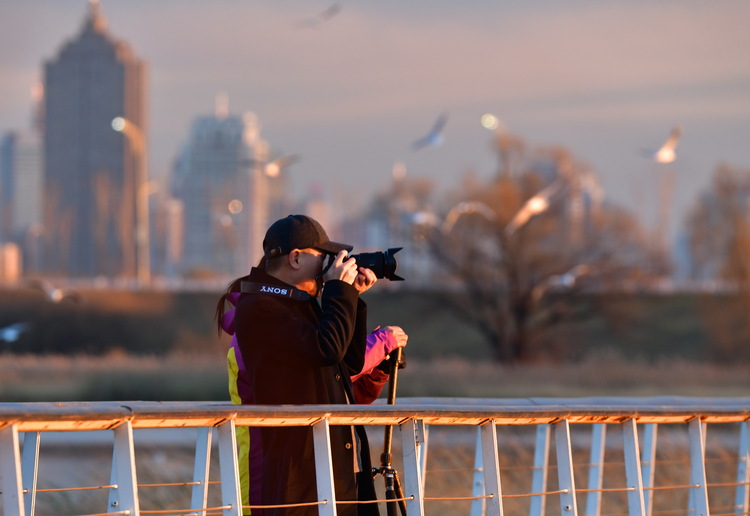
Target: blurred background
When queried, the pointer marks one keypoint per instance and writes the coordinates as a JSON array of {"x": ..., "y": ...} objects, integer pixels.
[{"x": 570, "y": 184}]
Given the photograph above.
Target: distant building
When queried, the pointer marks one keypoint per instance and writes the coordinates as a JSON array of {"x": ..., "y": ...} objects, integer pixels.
[
  {"x": 10, "y": 262},
  {"x": 7, "y": 184},
  {"x": 21, "y": 168},
  {"x": 221, "y": 180},
  {"x": 89, "y": 174}
]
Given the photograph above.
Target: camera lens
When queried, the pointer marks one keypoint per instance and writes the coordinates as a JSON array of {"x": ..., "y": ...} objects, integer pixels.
[{"x": 382, "y": 263}]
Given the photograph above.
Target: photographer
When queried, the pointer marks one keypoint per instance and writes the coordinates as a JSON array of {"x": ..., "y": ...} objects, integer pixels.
[{"x": 296, "y": 351}]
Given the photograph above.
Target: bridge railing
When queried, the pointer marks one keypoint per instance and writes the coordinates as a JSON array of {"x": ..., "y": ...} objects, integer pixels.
[{"x": 637, "y": 418}]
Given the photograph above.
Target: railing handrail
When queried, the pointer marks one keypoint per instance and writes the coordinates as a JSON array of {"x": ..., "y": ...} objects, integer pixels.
[
  {"x": 63, "y": 416},
  {"x": 413, "y": 416}
]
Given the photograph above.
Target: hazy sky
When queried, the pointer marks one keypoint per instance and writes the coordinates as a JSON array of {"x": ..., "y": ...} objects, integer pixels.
[{"x": 604, "y": 78}]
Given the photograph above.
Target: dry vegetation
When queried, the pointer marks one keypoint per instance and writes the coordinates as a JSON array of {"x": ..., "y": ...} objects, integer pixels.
[
  {"x": 203, "y": 378},
  {"x": 648, "y": 343},
  {"x": 450, "y": 465}
]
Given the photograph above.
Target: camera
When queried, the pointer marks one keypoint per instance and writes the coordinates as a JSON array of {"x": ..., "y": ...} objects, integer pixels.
[{"x": 382, "y": 263}]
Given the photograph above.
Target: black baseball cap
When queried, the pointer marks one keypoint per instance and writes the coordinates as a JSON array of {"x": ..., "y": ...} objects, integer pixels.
[{"x": 298, "y": 232}]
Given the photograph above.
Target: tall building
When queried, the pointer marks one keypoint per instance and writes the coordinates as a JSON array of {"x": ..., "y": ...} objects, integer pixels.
[
  {"x": 90, "y": 170},
  {"x": 7, "y": 184},
  {"x": 21, "y": 167},
  {"x": 220, "y": 179}
]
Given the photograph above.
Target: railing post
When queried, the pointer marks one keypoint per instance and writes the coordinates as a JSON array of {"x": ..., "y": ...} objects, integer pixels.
[
  {"x": 743, "y": 470},
  {"x": 201, "y": 467},
  {"x": 30, "y": 470},
  {"x": 698, "y": 468},
  {"x": 230, "y": 477},
  {"x": 541, "y": 468},
  {"x": 113, "y": 498},
  {"x": 648, "y": 464},
  {"x": 411, "y": 441},
  {"x": 424, "y": 430},
  {"x": 596, "y": 469},
  {"x": 477, "y": 485},
  {"x": 491, "y": 467},
  {"x": 324, "y": 468},
  {"x": 10, "y": 470},
  {"x": 124, "y": 468},
  {"x": 565, "y": 475},
  {"x": 633, "y": 468}
]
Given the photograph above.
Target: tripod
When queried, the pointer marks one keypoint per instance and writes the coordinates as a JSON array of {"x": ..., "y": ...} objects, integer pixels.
[{"x": 393, "y": 489}]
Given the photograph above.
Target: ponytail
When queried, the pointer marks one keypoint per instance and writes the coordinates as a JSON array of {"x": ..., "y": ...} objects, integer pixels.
[{"x": 233, "y": 287}]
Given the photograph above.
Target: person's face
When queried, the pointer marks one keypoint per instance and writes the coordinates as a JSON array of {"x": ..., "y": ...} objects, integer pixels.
[{"x": 311, "y": 262}]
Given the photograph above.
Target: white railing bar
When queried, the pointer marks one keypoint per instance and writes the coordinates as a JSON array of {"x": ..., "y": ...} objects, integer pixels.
[
  {"x": 699, "y": 494},
  {"x": 124, "y": 457},
  {"x": 596, "y": 469},
  {"x": 10, "y": 471},
  {"x": 477, "y": 485},
  {"x": 324, "y": 468},
  {"x": 30, "y": 468},
  {"x": 201, "y": 466},
  {"x": 113, "y": 497},
  {"x": 741, "y": 497},
  {"x": 631, "y": 450},
  {"x": 541, "y": 470},
  {"x": 411, "y": 414},
  {"x": 412, "y": 488},
  {"x": 106, "y": 415},
  {"x": 648, "y": 464},
  {"x": 491, "y": 468},
  {"x": 231, "y": 498},
  {"x": 423, "y": 431},
  {"x": 565, "y": 475}
]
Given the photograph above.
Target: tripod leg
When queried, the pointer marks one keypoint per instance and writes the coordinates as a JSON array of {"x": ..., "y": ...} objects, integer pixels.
[
  {"x": 391, "y": 492},
  {"x": 399, "y": 493}
]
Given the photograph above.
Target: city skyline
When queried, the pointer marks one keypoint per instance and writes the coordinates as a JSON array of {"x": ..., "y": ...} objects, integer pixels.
[{"x": 350, "y": 93}]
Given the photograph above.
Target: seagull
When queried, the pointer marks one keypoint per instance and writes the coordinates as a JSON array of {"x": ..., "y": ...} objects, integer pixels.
[
  {"x": 435, "y": 137},
  {"x": 666, "y": 154},
  {"x": 321, "y": 17},
  {"x": 274, "y": 168},
  {"x": 13, "y": 332}
]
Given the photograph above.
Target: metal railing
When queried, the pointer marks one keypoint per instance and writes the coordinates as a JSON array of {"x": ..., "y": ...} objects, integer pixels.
[{"x": 638, "y": 419}]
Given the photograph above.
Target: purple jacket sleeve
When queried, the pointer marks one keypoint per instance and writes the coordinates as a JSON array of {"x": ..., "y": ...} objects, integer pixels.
[{"x": 369, "y": 383}]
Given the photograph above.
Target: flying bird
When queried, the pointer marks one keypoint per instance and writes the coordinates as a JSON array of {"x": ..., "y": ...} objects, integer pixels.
[
  {"x": 320, "y": 18},
  {"x": 13, "y": 332},
  {"x": 666, "y": 153},
  {"x": 274, "y": 168},
  {"x": 435, "y": 137}
]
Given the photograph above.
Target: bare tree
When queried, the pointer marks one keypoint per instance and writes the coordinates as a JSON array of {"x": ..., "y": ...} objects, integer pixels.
[
  {"x": 512, "y": 245},
  {"x": 718, "y": 230}
]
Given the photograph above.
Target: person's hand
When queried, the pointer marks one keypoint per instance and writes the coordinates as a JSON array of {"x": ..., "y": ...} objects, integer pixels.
[
  {"x": 364, "y": 280},
  {"x": 399, "y": 334},
  {"x": 345, "y": 271}
]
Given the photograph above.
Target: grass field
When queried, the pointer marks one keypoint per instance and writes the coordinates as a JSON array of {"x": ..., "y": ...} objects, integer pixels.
[
  {"x": 164, "y": 346},
  {"x": 203, "y": 378}
]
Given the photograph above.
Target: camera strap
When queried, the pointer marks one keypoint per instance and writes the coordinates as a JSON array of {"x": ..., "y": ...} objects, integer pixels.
[
  {"x": 331, "y": 259},
  {"x": 251, "y": 287}
]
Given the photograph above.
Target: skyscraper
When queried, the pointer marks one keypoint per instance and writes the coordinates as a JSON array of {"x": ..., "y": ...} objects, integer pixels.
[
  {"x": 220, "y": 179},
  {"x": 21, "y": 168},
  {"x": 90, "y": 170}
]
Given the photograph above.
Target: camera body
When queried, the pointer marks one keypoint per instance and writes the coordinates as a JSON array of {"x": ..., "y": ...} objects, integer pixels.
[{"x": 382, "y": 263}]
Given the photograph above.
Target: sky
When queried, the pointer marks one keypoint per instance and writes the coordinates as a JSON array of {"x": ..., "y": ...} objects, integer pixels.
[{"x": 349, "y": 93}]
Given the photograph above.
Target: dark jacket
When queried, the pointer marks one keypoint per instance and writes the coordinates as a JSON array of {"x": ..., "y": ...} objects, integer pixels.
[{"x": 297, "y": 351}]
